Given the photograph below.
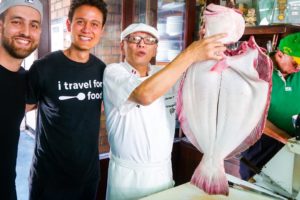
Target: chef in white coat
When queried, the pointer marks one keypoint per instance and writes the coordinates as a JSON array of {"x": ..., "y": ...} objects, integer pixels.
[{"x": 139, "y": 101}]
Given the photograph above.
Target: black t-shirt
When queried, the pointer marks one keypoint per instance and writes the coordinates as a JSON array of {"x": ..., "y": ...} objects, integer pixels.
[
  {"x": 12, "y": 103},
  {"x": 69, "y": 97}
]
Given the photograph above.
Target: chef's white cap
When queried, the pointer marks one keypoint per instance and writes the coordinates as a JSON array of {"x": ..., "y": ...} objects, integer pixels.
[
  {"x": 36, "y": 4},
  {"x": 139, "y": 27}
]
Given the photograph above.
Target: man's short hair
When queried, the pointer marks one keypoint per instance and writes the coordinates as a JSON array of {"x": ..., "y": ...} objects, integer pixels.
[{"x": 100, "y": 4}]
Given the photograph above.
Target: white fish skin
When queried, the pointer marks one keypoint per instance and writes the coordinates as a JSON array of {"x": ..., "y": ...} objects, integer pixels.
[
  {"x": 218, "y": 111},
  {"x": 219, "y": 19}
]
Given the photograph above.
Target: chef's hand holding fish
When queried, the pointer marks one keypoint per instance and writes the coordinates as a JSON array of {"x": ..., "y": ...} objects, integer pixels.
[
  {"x": 204, "y": 49},
  {"x": 209, "y": 48}
]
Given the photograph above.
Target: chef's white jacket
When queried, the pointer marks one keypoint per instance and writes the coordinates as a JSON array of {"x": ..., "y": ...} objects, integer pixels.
[{"x": 140, "y": 137}]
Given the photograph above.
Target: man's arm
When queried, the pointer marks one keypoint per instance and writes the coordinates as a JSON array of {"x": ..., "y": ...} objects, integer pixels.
[
  {"x": 158, "y": 84},
  {"x": 275, "y": 132}
]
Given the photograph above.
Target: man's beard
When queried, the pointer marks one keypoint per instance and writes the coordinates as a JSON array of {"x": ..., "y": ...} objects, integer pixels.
[{"x": 19, "y": 53}]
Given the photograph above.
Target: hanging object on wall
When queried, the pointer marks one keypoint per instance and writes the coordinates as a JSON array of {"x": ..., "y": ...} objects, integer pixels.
[
  {"x": 281, "y": 12},
  {"x": 200, "y": 2},
  {"x": 201, "y": 16},
  {"x": 242, "y": 7},
  {"x": 250, "y": 17},
  {"x": 281, "y": 4}
]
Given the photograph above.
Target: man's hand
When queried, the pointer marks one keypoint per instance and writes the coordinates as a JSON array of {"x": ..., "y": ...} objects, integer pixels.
[
  {"x": 207, "y": 49},
  {"x": 158, "y": 84}
]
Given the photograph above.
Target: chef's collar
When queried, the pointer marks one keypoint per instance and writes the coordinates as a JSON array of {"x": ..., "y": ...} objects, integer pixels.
[{"x": 135, "y": 72}]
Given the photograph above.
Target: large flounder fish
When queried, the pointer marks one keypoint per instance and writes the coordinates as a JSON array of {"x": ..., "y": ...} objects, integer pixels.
[{"x": 222, "y": 106}]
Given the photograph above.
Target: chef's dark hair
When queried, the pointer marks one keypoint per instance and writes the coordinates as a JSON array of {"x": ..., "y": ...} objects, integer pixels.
[{"x": 101, "y": 5}]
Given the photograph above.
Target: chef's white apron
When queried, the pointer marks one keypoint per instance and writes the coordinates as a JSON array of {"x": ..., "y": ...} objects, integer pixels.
[{"x": 140, "y": 180}]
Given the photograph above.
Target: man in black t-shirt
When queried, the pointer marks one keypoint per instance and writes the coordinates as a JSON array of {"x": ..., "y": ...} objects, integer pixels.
[
  {"x": 20, "y": 29},
  {"x": 67, "y": 88}
]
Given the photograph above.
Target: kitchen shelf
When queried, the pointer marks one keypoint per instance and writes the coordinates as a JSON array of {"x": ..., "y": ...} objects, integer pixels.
[
  {"x": 166, "y": 36},
  {"x": 171, "y": 23},
  {"x": 283, "y": 29},
  {"x": 175, "y": 6},
  {"x": 273, "y": 33}
]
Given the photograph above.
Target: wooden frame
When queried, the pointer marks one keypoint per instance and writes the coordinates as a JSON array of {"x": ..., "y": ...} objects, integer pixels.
[
  {"x": 128, "y": 13},
  {"x": 190, "y": 22},
  {"x": 45, "y": 42}
]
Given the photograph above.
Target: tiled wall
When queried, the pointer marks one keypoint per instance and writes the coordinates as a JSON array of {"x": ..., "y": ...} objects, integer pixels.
[
  {"x": 107, "y": 50},
  {"x": 59, "y": 8}
]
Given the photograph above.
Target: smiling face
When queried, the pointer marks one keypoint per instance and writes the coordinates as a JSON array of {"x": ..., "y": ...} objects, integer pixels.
[
  {"x": 138, "y": 55},
  {"x": 20, "y": 31},
  {"x": 86, "y": 27}
]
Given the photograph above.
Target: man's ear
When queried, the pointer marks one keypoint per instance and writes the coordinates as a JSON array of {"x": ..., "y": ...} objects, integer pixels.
[
  {"x": 122, "y": 47},
  {"x": 68, "y": 23}
]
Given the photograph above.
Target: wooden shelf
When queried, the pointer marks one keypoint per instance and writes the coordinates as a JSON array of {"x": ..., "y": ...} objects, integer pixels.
[
  {"x": 283, "y": 29},
  {"x": 273, "y": 33}
]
